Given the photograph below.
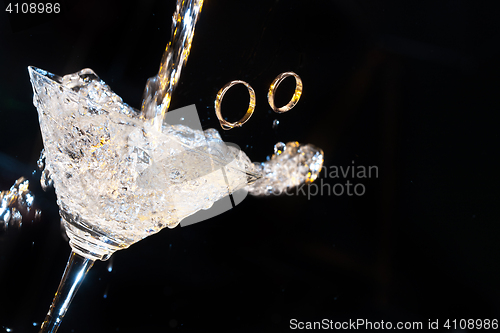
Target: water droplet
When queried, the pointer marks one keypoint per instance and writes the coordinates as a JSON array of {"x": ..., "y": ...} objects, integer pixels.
[
  {"x": 110, "y": 265},
  {"x": 45, "y": 180},
  {"x": 279, "y": 148},
  {"x": 276, "y": 122},
  {"x": 106, "y": 292},
  {"x": 15, "y": 202},
  {"x": 41, "y": 160},
  {"x": 5, "y": 215}
]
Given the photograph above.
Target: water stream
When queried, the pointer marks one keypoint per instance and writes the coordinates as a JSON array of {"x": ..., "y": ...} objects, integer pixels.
[{"x": 159, "y": 88}]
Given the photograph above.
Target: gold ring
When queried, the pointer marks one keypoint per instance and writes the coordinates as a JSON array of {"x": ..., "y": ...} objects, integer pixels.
[
  {"x": 251, "y": 105},
  {"x": 296, "y": 94}
]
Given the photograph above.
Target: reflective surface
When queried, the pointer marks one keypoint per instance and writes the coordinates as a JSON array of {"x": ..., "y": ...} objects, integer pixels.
[
  {"x": 409, "y": 88},
  {"x": 218, "y": 105},
  {"x": 296, "y": 94},
  {"x": 117, "y": 178},
  {"x": 158, "y": 91},
  {"x": 74, "y": 274}
]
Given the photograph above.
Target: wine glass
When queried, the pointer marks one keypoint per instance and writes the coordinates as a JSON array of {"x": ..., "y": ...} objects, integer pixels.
[{"x": 117, "y": 178}]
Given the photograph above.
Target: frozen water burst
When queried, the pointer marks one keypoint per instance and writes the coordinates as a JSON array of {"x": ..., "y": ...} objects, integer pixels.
[
  {"x": 291, "y": 165},
  {"x": 119, "y": 179},
  {"x": 45, "y": 180}
]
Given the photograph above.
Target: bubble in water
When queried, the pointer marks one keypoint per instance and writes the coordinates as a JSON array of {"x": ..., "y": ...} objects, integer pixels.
[
  {"x": 279, "y": 148},
  {"x": 16, "y": 217},
  {"x": 276, "y": 122}
]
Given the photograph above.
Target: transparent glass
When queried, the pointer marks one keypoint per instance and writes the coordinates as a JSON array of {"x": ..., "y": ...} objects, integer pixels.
[
  {"x": 117, "y": 178},
  {"x": 76, "y": 270}
]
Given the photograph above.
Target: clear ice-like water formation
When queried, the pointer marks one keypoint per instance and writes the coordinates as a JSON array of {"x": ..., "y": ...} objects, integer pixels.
[
  {"x": 291, "y": 165},
  {"x": 118, "y": 179}
]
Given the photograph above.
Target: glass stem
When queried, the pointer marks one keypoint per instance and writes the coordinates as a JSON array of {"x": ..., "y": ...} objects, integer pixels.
[{"x": 76, "y": 270}]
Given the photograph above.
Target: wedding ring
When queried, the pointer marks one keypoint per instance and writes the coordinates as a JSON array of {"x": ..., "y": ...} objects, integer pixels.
[
  {"x": 251, "y": 105},
  {"x": 296, "y": 94}
]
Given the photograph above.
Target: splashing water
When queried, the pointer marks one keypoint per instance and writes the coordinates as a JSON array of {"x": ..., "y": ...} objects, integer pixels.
[
  {"x": 120, "y": 178},
  {"x": 15, "y": 202},
  {"x": 45, "y": 179},
  {"x": 291, "y": 165},
  {"x": 279, "y": 148},
  {"x": 158, "y": 91}
]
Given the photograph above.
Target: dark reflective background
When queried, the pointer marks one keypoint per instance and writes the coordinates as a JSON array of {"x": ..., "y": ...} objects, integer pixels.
[{"x": 409, "y": 87}]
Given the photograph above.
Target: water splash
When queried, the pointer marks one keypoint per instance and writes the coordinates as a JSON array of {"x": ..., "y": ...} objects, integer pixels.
[
  {"x": 15, "y": 202},
  {"x": 110, "y": 264},
  {"x": 106, "y": 291},
  {"x": 116, "y": 173},
  {"x": 276, "y": 122},
  {"x": 291, "y": 165},
  {"x": 158, "y": 91},
  {"x": 45, "y": 179},
  {"x": 279, "y": 148}
]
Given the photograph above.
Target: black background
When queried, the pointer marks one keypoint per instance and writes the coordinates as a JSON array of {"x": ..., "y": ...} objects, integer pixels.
[{"x": 408, "y": 86}]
